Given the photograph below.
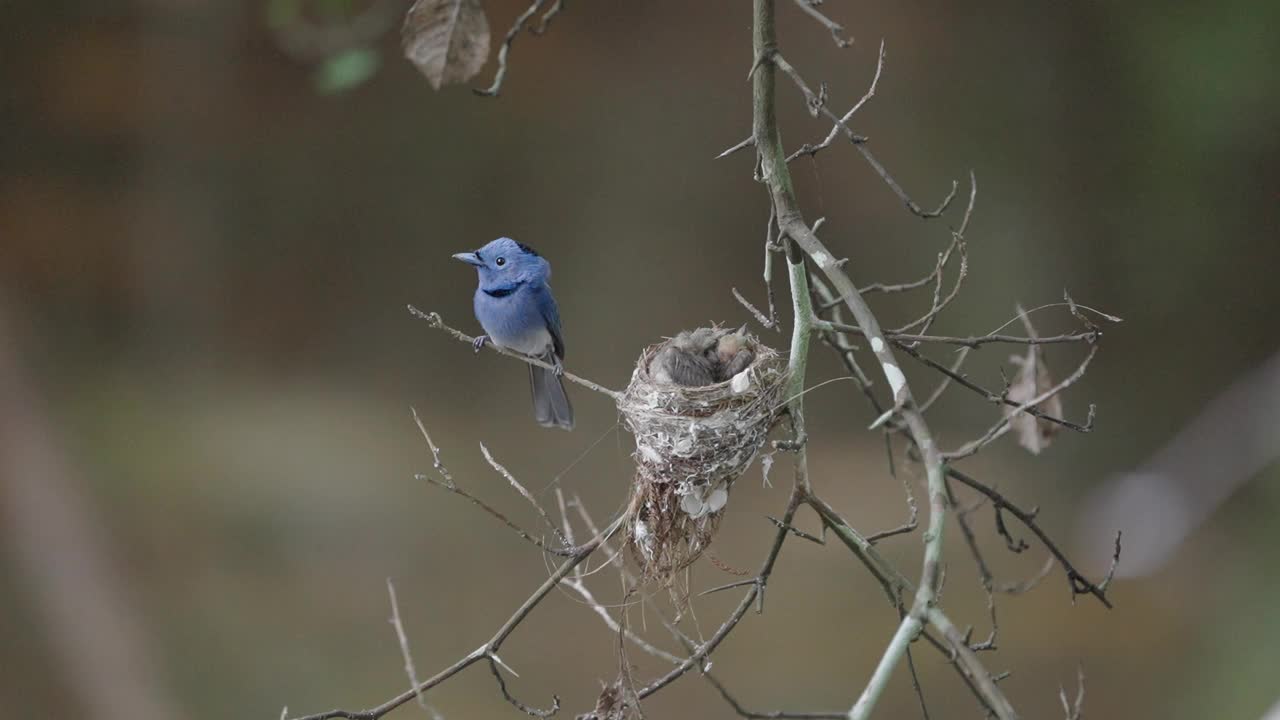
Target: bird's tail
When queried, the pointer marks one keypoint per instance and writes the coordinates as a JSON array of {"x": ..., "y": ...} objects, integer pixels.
[{"x": 551, "y": 406}]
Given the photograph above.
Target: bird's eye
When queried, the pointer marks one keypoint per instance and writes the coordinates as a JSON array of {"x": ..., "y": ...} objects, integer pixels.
[{"x": 500, "y": 261}]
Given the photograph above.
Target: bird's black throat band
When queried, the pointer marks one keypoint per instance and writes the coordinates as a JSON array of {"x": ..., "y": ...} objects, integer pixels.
[{"x": 503, "y": 291}]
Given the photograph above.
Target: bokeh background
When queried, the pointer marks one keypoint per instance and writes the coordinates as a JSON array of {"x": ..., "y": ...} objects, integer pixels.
[{"x": 211, "y": 223}]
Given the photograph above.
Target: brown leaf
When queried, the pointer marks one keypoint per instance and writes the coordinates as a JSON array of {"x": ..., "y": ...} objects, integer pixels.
[
  {"x": 447, "y": 39},
  {"x": 1033, "y": 380}
]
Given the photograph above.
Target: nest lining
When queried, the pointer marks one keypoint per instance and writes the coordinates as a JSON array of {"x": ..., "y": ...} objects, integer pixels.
[{"x": 691, "y": 444}]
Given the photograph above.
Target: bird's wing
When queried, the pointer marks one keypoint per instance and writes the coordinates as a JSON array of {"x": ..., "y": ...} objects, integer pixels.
[
  {"x": 551, "y": 315},
  {"x": 689, "y": 369}
]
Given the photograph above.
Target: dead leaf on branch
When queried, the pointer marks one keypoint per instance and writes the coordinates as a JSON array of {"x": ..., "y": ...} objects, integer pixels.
[
  {"x": 448, "y": 40},
  {"x": 1032, "y": 381}
]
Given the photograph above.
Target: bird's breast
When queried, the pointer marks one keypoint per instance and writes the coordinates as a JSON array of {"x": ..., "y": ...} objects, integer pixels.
[{"x": 513, "y": 322}]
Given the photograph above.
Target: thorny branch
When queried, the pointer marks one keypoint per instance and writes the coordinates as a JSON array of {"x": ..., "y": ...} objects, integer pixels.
[
  {"x": 916, "y": 604},
  {"x": 1080, "y": 585},
  {"x": 489, "y": 650}
]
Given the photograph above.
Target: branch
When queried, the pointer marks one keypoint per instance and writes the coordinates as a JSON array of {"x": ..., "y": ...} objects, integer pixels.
[
  {"x": 1080, "y": 585},
  {"x": 755, "y": 591},
  {"x": 523, "y": 492},
  {"x": 835, "y": 27},
  {"x": 975, "y": 341},
  {"x": 505, "y": 49},
  {"x": 776, "y": 175},
  {"x": 447, "y": 483},
  {"x": 487, "y": 651},
  {"x": 437, "y": 323},
  {"x": 1001, "y": 427},
  {"x": 955, "y": 375},
  {"x": 813, "y": 150}
]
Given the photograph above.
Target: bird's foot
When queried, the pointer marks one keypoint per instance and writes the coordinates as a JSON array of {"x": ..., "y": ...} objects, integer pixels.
[
  {"x": 558, "y": 368},
  {"x": 479, "y": 342}
]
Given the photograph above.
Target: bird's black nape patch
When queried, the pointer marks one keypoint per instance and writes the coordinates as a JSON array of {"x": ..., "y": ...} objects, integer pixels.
[{"x": 527, "y": 249}]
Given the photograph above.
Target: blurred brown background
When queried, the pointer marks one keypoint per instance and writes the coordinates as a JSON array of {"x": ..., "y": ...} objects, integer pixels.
[{"x": 206, "y": 367}]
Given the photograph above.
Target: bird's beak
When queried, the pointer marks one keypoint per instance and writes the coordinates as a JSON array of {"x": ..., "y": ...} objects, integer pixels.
[{"x": 469, "y": 258}]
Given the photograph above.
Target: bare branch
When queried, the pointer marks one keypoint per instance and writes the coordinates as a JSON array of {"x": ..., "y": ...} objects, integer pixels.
[
  {"x": 1080, "y": 585},
  {"x": 755, "y": 590},
  {"x": 521, "y": 20},
  {"x": 993, "y": 397},
  {"x": 771, "y": 320},
  {"x": 947, "y": 377},
  {"x": 409, "y": 670},
  {"x": 957, "y": 243},
  {"x": 523, "y": 492},
  {"x": 767, "y": 714},
  {"x": 490, "y": 647},
  {"x": 554, "y": 10},
  {"x": 447, "y": 483},
  {"x": 1072, "y": 710},
  {"x": 435, "y": 321},
  {"x": 835, "y": 27},
  {"x": 812, "y": 150},
  {"x": 1001, "y": 427},
  {"x": 494, "y": 662}
]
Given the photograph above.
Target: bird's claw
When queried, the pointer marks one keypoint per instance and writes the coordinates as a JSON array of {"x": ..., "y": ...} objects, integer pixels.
[
  {"x": 479, "y": 342},
  {"x": 558, "y": 369}
]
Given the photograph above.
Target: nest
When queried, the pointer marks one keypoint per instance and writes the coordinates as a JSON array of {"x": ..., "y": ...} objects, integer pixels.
[{"x": 691, "y": 444}]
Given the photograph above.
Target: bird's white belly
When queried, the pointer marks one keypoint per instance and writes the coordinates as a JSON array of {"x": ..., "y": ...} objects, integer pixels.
[
  {"x": 535, "y": 342},
  {"x": 513, "y": 323}
]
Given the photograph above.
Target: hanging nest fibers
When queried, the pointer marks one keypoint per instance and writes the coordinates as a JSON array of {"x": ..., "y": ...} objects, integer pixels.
[{"x": 700, "y": 405}]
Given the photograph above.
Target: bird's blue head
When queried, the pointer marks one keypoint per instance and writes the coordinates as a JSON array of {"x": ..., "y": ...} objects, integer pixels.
[{"x": 505, "y": 263}]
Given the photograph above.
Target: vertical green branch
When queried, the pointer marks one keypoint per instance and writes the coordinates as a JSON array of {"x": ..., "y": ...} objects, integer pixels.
[{"x": 800, "y": 240}]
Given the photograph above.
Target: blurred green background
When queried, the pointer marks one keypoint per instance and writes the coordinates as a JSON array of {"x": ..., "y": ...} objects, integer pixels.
[{"x": 208, "y": 238}]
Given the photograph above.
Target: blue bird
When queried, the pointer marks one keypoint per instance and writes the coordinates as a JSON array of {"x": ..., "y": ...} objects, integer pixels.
[{"x": 514, "y": 306}]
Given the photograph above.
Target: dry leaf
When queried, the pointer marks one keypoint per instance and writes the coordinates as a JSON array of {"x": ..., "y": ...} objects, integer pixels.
[
  {"x": 447, "y": 39},
  {"x": 1033, "y": 380}
]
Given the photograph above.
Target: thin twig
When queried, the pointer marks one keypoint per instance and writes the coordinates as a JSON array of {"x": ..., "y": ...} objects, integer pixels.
[
  {"x": 494, "y": 662},
  {"x": 961, "y": 247},
  {"x": 410, "y": 671},
  {"x": 1080, "y": 585},
  {"x": 523, "y": 492},
  {"x": 947, "y": 377},
  {"x": 742, "y": 711},
  {"x": 1003, "y": 425},
  {"x": 812, "y": 150},
  {"x": 835, "y": 27},
  {"x": 964, "y": 381},
  {"x": 755, "y": 590},
  {"x": 435, "y": 321},
  {"x": 553, "y": 11},
  {"x": 493, "y": 644},
  {"x": 1073, "y": 710},
  {"x": 505, "y": 48},
  {"x": 447, "y": 483}
]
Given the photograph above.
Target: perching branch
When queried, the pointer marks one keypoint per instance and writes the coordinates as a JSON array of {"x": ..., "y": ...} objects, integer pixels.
[{"x": 436, "y": 322}]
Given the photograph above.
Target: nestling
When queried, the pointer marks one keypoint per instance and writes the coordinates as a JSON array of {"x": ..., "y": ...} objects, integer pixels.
[
  {"x": 517, "y": 311},
  {"x": 695, "y": 358},
  {"x": 733, "y": 354},
  {"x": 687, "y": 359}
]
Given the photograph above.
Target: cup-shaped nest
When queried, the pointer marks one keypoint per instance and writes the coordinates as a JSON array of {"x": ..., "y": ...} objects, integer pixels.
[{"x": 693, "y": 441}]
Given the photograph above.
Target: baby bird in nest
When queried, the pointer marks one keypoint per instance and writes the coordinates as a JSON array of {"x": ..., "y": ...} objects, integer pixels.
[{"x": 705, "y": 356}]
